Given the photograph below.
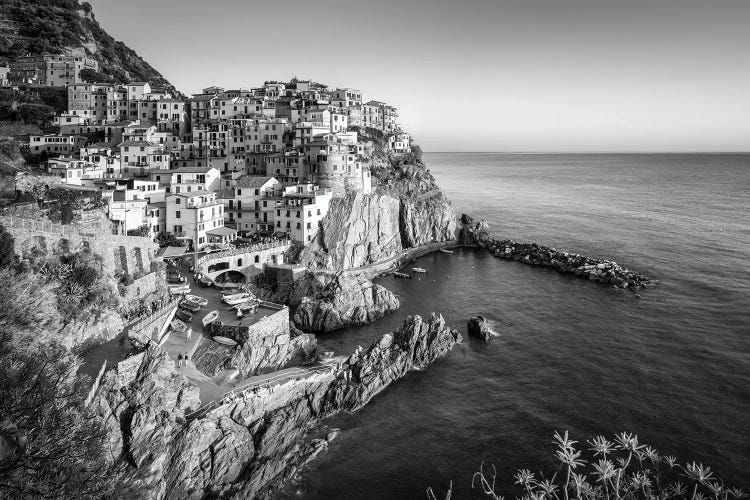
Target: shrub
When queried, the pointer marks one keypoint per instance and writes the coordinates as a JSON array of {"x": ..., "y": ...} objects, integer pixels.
[{"x": 622, "y": 469}]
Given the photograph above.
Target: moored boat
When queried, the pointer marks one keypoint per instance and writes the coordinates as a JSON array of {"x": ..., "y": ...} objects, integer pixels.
[
  {"x": 419, "y": 269},
  {"x": 189, "y": 306},
  {"x": 183, "y": 315},
  {"x": 197, "y": 299},
  {"x": 445, "y": 250},
  {"x": 210, "y": 317},
  {"x": 224, "y": 340},
  {"x": 237, "y": 298},
  {"x": 402, "y": 275},
  {"x": 179, "y": 289},
  {"x": 178, "y": 325}
]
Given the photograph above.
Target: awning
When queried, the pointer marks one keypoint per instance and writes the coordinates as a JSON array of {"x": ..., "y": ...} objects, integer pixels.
[
  {"x": 221, "y": 231},
  {"x": 171, "y": 252}
]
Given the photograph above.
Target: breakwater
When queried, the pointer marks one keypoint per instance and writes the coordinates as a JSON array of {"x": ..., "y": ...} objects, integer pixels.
[{"x": 591, "y": 268}]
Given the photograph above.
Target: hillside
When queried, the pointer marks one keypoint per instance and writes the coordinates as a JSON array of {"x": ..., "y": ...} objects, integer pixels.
[{"x": 30, "y": 27}]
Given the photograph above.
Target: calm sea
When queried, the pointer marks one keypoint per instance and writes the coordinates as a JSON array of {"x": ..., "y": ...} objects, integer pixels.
[{"x": 672, "y": 366}]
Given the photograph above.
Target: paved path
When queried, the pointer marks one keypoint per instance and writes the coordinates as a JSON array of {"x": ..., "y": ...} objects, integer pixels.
[{"x": 258, "y": 381}]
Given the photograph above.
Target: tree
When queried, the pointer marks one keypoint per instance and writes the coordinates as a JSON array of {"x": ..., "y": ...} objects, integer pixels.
[
  {"x": 169, "y": 240},
  {"x": 7, "y": 248},
  {"x": 52, "y": 443}
]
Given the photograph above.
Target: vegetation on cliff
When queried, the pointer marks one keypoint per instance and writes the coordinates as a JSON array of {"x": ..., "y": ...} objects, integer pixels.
[{"x": 53, "y": 26}]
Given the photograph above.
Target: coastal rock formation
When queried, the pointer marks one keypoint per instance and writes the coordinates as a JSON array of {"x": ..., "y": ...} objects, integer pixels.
[
  {"x": 415, "y": 345},
  {"x": 250, "y": 444},
  {"x": 478, "y": 327},
  {"x": 593, "y": 269},
  {"x": 324, "y": 302},
  {"x": 427, "y": 218},
  {"x": 358, "y": 230},
  {"x": 257, "y": 354}
]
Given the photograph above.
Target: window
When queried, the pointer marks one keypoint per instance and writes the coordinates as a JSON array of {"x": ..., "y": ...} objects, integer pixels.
[
  {"x": 177, "y": 214},
  {"x": 177, "y": 201}
]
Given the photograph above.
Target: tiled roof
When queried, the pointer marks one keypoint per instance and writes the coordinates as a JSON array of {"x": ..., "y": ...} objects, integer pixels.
[{"x": 252, "y": 181}]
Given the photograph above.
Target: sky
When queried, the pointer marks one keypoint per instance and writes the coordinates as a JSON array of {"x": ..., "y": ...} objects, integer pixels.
[{"x": 478, "y": 75}]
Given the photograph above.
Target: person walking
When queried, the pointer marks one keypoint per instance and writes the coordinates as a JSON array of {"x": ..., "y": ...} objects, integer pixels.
[
  {"x": 186, "y": 359},
  {"x": 189, "y": 333},
  {"x": 179, "y": 360}
]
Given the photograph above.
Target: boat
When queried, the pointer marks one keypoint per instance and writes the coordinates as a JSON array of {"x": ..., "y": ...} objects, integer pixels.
[
  {"x": 445, "y": 250},
  {"x": 176, "y": 279},
  {"x": 237, "y": 298},
  {"x": 179, "y": 289},
  {"x": 402, "y": 275},
  {"x": 189, "y": 306},
  {"x": 197, "y": 299},
  {"x": 183, "y": 315},
  {"x": 246, "y": 307},
  {"x": 178, "y": 325},
  {"x": 419, "y": 269},
  {"x": 228, "y": 286},
  {"x": 205, "y": 281},
  {"x": 224, "y": 340},
  {"x": 210, "y": 317}
]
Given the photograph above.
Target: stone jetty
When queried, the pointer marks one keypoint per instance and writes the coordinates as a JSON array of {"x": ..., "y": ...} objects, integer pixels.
[{"x": 593, "y": 269}]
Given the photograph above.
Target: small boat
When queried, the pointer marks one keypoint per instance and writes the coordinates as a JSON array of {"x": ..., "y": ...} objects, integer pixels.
[
  {"x": 176, "y": 279},
  {"x": 444, "y": 250},
  {"x": 178, "y": 325},
  {"x": 419, "y": 269},
  {"x": 210, "y": 317},
  {"x": 205, "y": 281},
  {"x": 178, "y": 289},
  {"x": 189, "y": 306},
  {"x": 237, "y": 298},
  {"x": 228, "y": 286},
  {"x": 224, "y": 340},
  {"x": 246, "y": 307},
  {"x": 197, "y": 299},
  {"x": 183, "y": 315},
  {"x": 402, "y": 275}
]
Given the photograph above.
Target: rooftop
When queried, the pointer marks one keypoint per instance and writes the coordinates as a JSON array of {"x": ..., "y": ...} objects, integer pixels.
[
  {"x": 252, "y": 181},
  {"x": 192, "y": 170}
]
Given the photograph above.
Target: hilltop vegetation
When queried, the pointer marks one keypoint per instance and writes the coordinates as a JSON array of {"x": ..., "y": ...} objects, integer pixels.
[{"x": 31, "y": 27}]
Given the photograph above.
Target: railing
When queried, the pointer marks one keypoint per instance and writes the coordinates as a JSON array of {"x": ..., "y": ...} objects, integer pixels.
[
  {"x": 254, "y": 247},
  {"x": 139, "y": 322}
]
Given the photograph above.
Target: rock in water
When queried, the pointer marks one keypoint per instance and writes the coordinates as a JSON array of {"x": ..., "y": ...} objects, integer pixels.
[
  {"x": 324, "y": 302},
  {"x": 478, "y": 327}
]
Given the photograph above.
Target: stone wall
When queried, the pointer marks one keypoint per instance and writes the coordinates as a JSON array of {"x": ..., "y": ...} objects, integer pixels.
[
  {"x": 248, "y": 261},
  {"x": 125, "y": 254}
]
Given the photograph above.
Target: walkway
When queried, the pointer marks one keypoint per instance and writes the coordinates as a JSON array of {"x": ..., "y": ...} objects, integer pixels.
[{"x": 258, "y": 381}]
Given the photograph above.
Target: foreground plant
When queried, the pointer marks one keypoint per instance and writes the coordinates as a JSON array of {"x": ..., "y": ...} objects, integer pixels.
[{"x": 622, "y": 469}]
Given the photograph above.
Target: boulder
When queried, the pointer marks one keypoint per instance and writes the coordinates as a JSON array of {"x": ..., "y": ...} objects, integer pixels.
[{"x": 478, "y": 327}]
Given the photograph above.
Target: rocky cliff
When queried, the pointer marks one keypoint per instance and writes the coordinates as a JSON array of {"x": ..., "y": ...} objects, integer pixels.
[
  {"x": 324, "y": 302},
  {"x": 407, "y": 210},
  {"x": 245, "y": 447},
  {"x": 358, "y": 230}
]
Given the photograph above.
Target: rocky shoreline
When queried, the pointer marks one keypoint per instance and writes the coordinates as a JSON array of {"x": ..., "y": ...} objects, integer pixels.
[
  {"x": 250, "y": 445},
  {"x": 591, "y": 268}
]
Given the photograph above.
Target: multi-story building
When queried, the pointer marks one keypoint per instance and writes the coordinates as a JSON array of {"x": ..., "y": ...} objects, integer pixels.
[
  {"x": 399, "y": 142},
  {"x": 56, "y": 144},
  {"x": 89, "y": 100},
  {"x": 188, "y": 179},
  {"x": 191, "y": 216},
  {"x": 300, "y": 211},
  {"x": 50, "y": 70},
  {"x": 250, "y": 203}
]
